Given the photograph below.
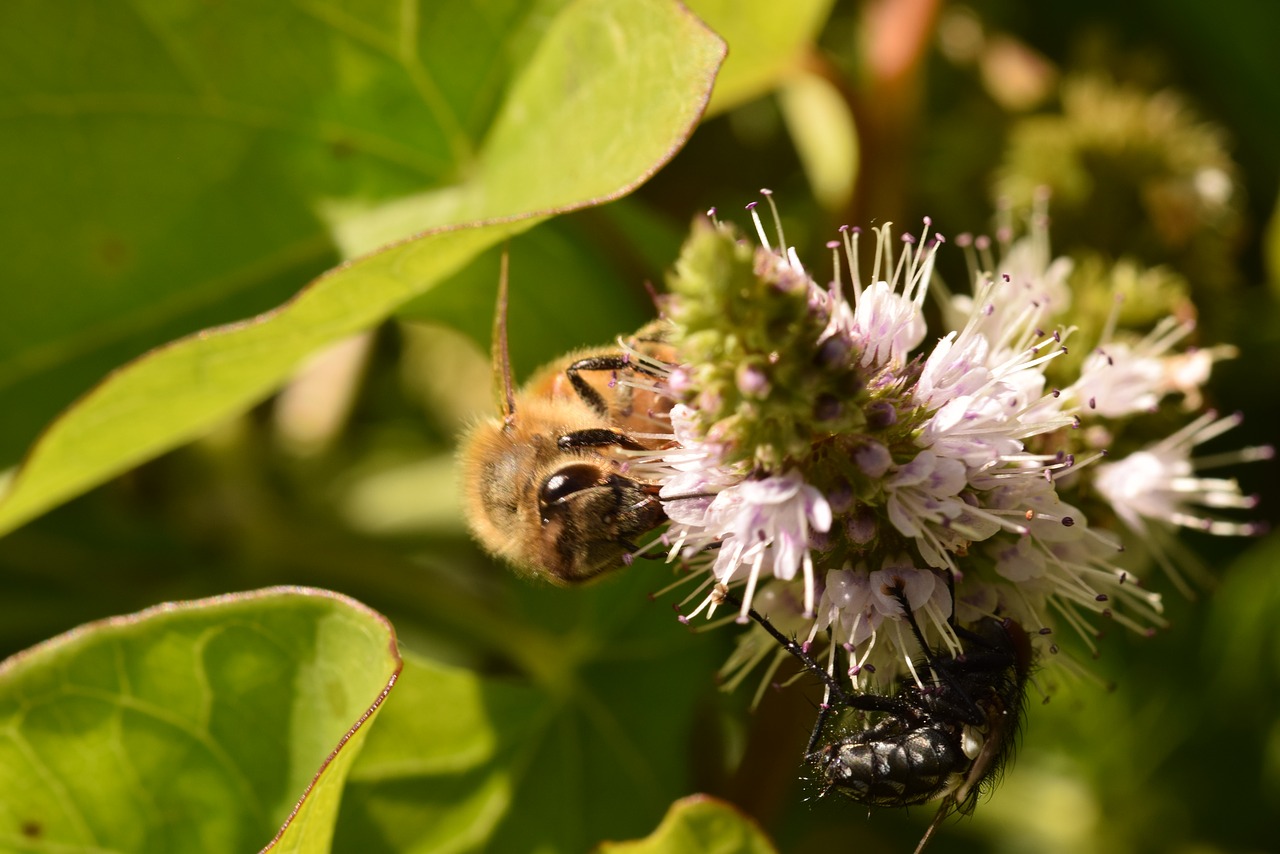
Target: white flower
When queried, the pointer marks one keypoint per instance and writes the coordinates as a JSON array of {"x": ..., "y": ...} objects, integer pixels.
[
  {"x": 1156, "y": 489},
  {"x": 847, "y": 606},
  {"x": 926, "y": 594},
  {"x": 1058, "y": 560},
  {"x": 1018, "y": 558},
  {"x": 1118, "y": 381},
  {"x": 690, "y": 473},
  {"x": 886, "y": 323},
  {"x": 857, "y": 604},
  {"x": 763, "y": 527},
  {"x": 1027, "y": 289},
  {"x": 1119, "y": 378},
  {"x": 978, "y": 430},
  {"x": 986, "y": 397},
  {"x": 923, "y": 503},
  {"x": 1159, "y": 483},
  {"x": 955, "y": 368}
]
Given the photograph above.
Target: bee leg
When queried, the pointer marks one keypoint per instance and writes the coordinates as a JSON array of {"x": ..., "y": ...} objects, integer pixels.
[
  {"x": 615, "y": 362},
  {"x": 598, "y": 437},
  {"x": 590, "y": 396}
]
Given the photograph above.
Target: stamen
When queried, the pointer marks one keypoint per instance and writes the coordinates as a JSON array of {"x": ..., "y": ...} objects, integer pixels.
[
  {"x": 777, "y": 220},
  {"x": 755, "y": 217},
  {"x": 884, "y": 252}
]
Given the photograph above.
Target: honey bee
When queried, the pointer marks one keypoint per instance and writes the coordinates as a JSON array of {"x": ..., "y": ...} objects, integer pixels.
[{"x": 546, "y": 485}]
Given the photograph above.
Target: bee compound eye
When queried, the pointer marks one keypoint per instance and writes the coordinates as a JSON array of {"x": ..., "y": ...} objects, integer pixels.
[{"x": 568, "y": 480}]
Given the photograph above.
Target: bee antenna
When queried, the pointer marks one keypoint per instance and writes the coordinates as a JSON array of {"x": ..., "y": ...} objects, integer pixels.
[{"x": 501, "y": 354}]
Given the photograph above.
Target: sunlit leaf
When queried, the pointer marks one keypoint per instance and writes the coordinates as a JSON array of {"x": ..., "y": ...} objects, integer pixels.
[
  {"x": 699, "y": 825},
  {"x": 594, "y": 104},
  {"x": 191, "y": 727}
]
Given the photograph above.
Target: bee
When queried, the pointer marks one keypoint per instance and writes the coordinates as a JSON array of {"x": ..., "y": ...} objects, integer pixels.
[
  {"x": 547, "y": 485},
  {"x": 946, "y": 737}
]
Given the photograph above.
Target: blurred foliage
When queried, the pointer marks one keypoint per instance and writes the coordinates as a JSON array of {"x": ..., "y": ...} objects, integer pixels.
[
  {"x": 1130, "y": 172},
  {"x": 170, "y": 167}
]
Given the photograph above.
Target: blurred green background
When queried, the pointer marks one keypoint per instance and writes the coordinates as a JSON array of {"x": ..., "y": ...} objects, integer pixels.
[{"x": 896, "y": 110}]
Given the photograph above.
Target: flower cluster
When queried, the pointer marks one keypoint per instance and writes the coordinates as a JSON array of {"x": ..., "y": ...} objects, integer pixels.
[{"x": 827, "y": 463}]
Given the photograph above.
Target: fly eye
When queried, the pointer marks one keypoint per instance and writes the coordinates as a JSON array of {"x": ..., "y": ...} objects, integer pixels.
[{"x": 567, "y": 481}]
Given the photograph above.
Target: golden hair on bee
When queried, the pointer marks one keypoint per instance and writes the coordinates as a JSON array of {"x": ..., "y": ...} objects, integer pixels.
[{"x": 547, "y": 485}]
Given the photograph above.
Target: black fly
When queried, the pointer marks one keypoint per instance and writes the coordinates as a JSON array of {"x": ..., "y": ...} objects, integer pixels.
[{"x": 945, "y": 737}]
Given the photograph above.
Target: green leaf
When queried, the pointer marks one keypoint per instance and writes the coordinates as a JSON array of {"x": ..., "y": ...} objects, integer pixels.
[
  {"x": 194, "y": 129},
  {"x": 699, "y": 824},
  {"x": 195, "y": 726},
  {"x": 768, "y": 42},
  {"x": 587, "y": 739}
]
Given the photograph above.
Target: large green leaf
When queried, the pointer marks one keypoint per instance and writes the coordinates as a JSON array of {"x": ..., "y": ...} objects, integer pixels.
[
  {"x": 239, "y": 145},
  {"x": 191, "y": 727}
]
